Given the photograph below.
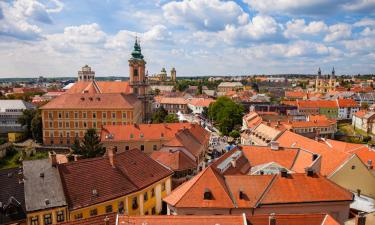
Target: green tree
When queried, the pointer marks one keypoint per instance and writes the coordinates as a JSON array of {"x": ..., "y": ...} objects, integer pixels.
[
  {"x": 37, "y": 127},
  {"x": 157, "y": 91},
  {"x": 226, "y": 114},
  {"x": 171, "y": 118},
  {"x": 234, "y": 134},
  {"x": 90, "y": 147},
  {"x": 159, "y": 115},
  {"x": 25, "y": 120}
]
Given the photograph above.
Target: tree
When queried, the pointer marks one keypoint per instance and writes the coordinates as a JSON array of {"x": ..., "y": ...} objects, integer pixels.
[
  {"x": 157, "y": 91},
  {"x": 226, "y": 114},
  {"x": 25, "y": 120},
  {"x": 37, "y": 127},
  {"x": 364, "y": 105},
  {"x": 159, "y": 115},
  {"x": 234, "y": 134},
  {"x": 171, "y": 118},
  {"x": 90, "y": 147}
]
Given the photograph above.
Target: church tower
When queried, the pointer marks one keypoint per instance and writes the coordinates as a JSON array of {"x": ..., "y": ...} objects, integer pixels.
[
  {"x": 138, "y": 80},
  {"x": 86, "y": 74},
  {"x": 333, "y": 74},
  {"x": 173, "y": 74}
]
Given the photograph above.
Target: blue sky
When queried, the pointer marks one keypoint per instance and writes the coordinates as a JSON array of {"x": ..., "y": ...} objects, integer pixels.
[{"x": 198, "y": 37}]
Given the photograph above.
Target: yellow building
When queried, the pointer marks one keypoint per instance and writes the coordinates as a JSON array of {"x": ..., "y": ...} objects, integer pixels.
[
  {"x": 15, "y": 137},
  {"x": 324, "y": 84},
  {"x": 129, "y": 182}
]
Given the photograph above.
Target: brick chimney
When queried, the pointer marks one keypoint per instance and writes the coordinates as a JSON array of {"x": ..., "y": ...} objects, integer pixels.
[
  {"x": 112, "y": 156},
  {"x": 361, "y": 219},
  {"x": 53, "y": 158},
  {"x": 272, "y": 219}
]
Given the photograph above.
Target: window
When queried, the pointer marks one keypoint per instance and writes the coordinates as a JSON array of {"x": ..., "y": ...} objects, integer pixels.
[
  {"x": 135, "y": 72},
  {"x": 154, "y": 147},
  {"x": 142, "y": 147},
  {"x": 94, "y": 115},
  {"x": 93, "y": 212},
  {"x": 113, "y": 123},
  {"x": 84, "y": 115},
  {"x": 50, "y": 115},
  {"x": 47, "y": 219},
  {"x": 60, "y": 124},
  {"x": 60, "y": 115},
  {"x": 104, "y": 115},
  {"x": 84, "y": 124},
  {"x": 50, "y": 124},
  {"x": 123, "y": 115},
  {"x": 145, "y": 197},
  {"x": 60, "y": 216},
  {"x": 127, "y": 147},
  {"x": 34, "y": 220},
  {"x": 67, "y": 124},
  {"x": 78, "y": 216},
  {"x": 94, "y": 124},
  {"x": 67, "y": 115},
  {"x": 113, "y": 115},
  {"x": 134, "y": 203},
  {"x": 207, "y": 195},
  {"x": 108, "y": 208},
  {"x": 76, "y": 115},
  {"x": 163, "y": 187},
  {"x": 121, "y": 207},
  {"x": 152, "y": 192},
  {"x": 153, "y": 211}
]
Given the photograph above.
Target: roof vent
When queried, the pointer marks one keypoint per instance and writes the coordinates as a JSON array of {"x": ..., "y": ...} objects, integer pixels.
[
  {"x": 47, "y": 201},
  {"x": 90, "y": 98},
  {"x": 207, "y": 195},
  {"x": 94, "y": 192},
  {"x": 284, "y": 172},
  {"x": 82, "y": 99},
  {"x": 310, "y": 172},
  {"x": 242, "y": 194},
  {"x": 369, "y": 164},
  {"x": 41, "y": 175},
  {"x": 274, "y": 145},
  {"x": 98, "y": 98}
]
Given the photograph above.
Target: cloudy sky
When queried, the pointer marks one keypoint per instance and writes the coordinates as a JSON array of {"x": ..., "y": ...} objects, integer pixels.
[{"x": 198, "y": 37}]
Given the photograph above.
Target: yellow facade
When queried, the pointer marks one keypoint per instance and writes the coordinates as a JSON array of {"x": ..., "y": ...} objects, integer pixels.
[
  {"x": 354, "y": 176},
  {"x": 15, "y": 137},
  {"x": 144, "y": 207},
  {"x": 40, "y": 215}
]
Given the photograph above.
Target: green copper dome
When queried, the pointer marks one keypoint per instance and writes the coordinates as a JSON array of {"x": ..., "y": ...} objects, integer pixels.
[{"x": 137, "y": 52}]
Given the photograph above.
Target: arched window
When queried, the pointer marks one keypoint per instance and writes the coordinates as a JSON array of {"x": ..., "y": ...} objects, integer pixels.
[{"x": 207, "y": 194}]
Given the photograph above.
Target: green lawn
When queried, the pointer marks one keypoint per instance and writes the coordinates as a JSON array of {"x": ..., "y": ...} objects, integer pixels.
[
  {"x": 12, "y": 160},
  {"x": 349, "y": 130}
]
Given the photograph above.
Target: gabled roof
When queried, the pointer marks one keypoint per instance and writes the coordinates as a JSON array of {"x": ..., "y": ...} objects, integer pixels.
[
  {"x": 133, "y": 171},
  {"x": 93, "y": 101},
  {"x": 43, "y": 187},
  {"x": 190, "y": 194},
  {"x": 343, "y": 103},
  {"x": 295, "y": 219},
  {"x": 175, "y": 160},
  {"x": 183, "y": 220},
  {"x": 201, "y": 102},
  {"x": 331, "y": 158},
  {"x": 96, "y": 87}
]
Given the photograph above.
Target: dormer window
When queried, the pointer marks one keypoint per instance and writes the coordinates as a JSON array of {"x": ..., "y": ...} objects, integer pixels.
[
  {"x": 241, "y": 194},
  {"x": 207, "y": 194}
]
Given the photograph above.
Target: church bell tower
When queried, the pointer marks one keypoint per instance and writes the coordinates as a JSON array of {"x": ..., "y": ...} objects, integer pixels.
[{"x": 138, "y": 80}]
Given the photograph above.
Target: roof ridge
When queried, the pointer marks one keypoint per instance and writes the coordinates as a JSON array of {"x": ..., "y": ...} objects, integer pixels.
[
  {"x": 266, "y": 190},
  {"x": 295, "y": 158}
]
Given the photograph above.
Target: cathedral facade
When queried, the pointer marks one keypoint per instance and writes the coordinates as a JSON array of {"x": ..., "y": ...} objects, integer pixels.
[{"x": 327, "y": 83}]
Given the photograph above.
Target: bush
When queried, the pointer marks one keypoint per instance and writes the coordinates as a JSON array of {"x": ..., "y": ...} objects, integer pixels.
[{"x": 234, "y": 134}]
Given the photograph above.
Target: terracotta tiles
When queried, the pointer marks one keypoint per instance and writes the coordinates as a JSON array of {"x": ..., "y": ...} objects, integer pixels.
[
  {"x": 182, "y": 220},
  {"x": 134, "y": 170},
  {"x": 176, "y": 160},
  {"x": 95, "y": 220},
  {"x": 94, "y": 87},
  {"x": 285, "y": 219},
  {"x": 344, "y": 103}
]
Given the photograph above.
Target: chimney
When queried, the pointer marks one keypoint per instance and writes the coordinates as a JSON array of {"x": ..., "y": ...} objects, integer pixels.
[
  {"x": 111, "y": 156},
  {"x": 53, "y": 158},
  {"x": 272, "y": 219},
  {"x": 106, "y": 220},
  {"x": 369, "y": 164},
  {"x": 233, "y": 162},
  {"x": 274, "y": 145},
  {"x": 359, "y": 192},
  {"x": 284, "y": 172},
  {"x": 310, "y": 172},
  {"x": 361, "y": 219}
]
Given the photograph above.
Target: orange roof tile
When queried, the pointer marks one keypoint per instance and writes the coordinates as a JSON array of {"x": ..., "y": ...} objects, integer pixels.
[
  {"x": 95, "y": 220},
  {"x": 190, "y": 194},
  {"x": 93, "y": 101},
  {"x": 344, "y": 103},
  {"x": 94, "y": 87},
  {"x": 314, "y": 193},
  {"x": 360, "y": 113},
  {"x": 296, "y": 219},
  {"x": 182, "y": 220},
  {"x": 331, "y": 158},
  {"x": 202, "y": 102},
  {"x": 175, "y": 160},
  {"x": 295, "y": 94}
]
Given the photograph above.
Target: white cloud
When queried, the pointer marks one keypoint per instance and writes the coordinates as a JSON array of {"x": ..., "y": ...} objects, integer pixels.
[
  {"x": 211, "y": 15},
  {"x": 337, "y": 32},
  {"x": 362, "y": 45},
  {"x": 367, "y": 32},
  {"x": 365, "y": 6},
  {"x": 297, "y": 28},
  {"x": 20, "y": 18},
  {"x": 365, "y": 22}
]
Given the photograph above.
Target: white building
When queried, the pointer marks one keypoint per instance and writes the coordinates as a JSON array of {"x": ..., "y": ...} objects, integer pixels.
[
  {"x": 346, "y": 108},
  {"x": 10, "y": 111}
]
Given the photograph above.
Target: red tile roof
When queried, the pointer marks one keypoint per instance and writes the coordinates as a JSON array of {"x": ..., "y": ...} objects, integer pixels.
[
  {"x": 190, "y": 194},
  {"x": 175, "y": 160},
  {"x": 93, "y": 101},
  {"x": 94, "y": 87},
  {"x": 137, "y": 132},
  {"x": 295, "y": 94},
  {"x": 360, "y": 113},
  {"x": 317, "y": 104},
  {"x": 296, "y": 219},
  {"x": 95, "y": 220},
  {"x": 331, "y": 158},
  {"x": 171, "y": 100},
  {"x": 344, "y": 103},
  {"x": 182, "y": 220},
  {"x": 134, "y": 171},
  {"x": 202, "y": 102}
]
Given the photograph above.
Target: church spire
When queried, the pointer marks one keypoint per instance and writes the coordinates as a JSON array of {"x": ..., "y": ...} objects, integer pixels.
[
  {"x": 319, "y": 72},
  {"x": 333, "y": 73},
  {"x": 137, "y": 51}
]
